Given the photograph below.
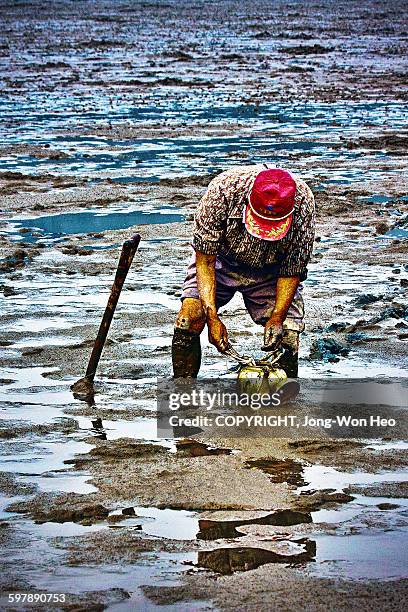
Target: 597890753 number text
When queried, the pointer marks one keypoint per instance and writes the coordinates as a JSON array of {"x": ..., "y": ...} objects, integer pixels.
[{"x": 36, "y": 597}]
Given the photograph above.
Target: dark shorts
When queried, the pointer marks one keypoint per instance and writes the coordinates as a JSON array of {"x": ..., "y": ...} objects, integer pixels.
[{"x": 258, "y": 288}]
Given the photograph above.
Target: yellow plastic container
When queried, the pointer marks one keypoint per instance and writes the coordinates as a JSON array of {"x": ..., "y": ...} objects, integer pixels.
[{"x": 262, "y": 377}]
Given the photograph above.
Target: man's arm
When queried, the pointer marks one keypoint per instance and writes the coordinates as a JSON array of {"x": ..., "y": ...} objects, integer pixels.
[
  {"x": 217, "y": 332},
  {"x": 286, "y": 287},
  {"x": 293, "y": 268},
  {"x": 209, "y": 227}
]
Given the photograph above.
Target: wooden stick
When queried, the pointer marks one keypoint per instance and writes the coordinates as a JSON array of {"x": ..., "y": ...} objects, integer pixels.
[{"x": 125, "y": 261}]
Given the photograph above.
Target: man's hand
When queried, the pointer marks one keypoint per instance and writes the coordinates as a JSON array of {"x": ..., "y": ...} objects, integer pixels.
[
  {"x": 273, "y": 335},
  {"x": 217, "y": 333}
]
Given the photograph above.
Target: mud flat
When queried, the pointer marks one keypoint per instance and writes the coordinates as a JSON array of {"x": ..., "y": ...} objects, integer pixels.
[{"x": 101, "y": 141}]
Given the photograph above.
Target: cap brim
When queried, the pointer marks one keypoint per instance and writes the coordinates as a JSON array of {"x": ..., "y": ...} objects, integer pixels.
[{"x": 265, "y": 229}]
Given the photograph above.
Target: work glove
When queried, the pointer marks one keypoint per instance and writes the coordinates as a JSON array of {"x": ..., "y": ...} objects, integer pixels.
[{"x": 273, "y": 336}]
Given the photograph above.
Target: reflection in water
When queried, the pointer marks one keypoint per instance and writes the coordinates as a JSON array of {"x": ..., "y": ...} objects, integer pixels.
[
  {"x": 229, "y": 560},
  {"x": 214, "y": 530}
]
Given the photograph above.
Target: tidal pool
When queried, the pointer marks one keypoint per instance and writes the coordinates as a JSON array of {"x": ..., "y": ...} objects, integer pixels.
[{"x": 55, "y": 227}]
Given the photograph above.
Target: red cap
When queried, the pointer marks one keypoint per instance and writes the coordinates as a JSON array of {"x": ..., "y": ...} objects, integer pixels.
[{"x": 268, "y": 215}]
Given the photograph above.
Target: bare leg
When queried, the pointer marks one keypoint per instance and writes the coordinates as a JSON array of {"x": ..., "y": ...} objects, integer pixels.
[{"x": 186, "y": 348}]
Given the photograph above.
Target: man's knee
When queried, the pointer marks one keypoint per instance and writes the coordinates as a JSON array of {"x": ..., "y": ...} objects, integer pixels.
[{"x": 191, "y": 318}]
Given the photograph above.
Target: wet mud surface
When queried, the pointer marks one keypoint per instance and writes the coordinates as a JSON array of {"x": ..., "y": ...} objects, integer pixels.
[{"x": 115, "y": 117}]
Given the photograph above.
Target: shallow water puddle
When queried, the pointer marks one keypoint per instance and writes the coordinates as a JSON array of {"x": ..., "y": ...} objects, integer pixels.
[
  {"x": 325, "y": 477},
  {"x": 361, "y": 556},
  {"x": 168, "y": 523},
  {"x": 231, "y": 559},
  {"x": 338, "y": 515},
  {"x": 397, "y": 232},
  {"x": 46, "y": 341},
  {"x": 353, "y": 555},
  {"x": 23, "y": 378},
  {"x": 53, "y": 227},
  {"x": 48, "y": 574},
  {"x": 380, "y": 445},
  {"x": 62, "y": 482},
  {"x": 31, "y": 324},
  {"x": 31, "y": 398},
  {"x": 24, "y": 415},
  {"x": 375, "y": 199},
  {"x": 43, "y": 457},
  {"x": 187, "y": 525},
  {"x": 354, "y": 366},
  {"x": 153, "y": 341},
  {"x": 139, "y": 428},
  {"x": 359, "y": 506},
  {"x": 55, "y": 530},
  {"x": 34, "y": 397},
  {"x": 100, "y": 298},
  {"x": 27, "y": 386}
]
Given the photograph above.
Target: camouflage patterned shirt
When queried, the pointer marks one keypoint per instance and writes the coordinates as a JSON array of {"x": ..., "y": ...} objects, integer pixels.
[{"x": 219, "y": 227}]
